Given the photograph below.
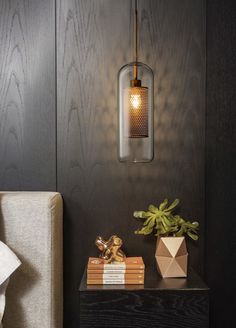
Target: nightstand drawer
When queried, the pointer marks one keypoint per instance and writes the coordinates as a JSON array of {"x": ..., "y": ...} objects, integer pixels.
[{"x": 159, "y": 303}]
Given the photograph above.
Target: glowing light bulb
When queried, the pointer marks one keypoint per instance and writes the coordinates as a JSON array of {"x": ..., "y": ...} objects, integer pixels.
[{"x": 135, "y": 101}]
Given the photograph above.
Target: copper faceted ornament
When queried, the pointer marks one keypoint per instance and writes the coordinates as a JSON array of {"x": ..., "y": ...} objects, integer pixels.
[{"x": 171, "y": 257}]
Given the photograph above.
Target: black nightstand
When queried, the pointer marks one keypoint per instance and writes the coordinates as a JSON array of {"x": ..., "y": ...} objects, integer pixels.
[{"x": 159, "y": 303}]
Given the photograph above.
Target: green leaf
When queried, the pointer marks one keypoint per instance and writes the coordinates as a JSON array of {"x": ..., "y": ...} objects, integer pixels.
[
  {"x": 191, "y": 235},
  {"x": 144, "y": 231},
  {"x": 153, "y": 209},
  {"x": 150, "y": 222},
  {"x": 140, "y": 214},
  {"x": 166, "y": 221},
  {"x": 180, "y": 232},
  {"x": 173, "y": 205},
  {"x": 178, "y": 219},
  {"x": 192, "y": 225},
  {"x": 163, "y": 204}
]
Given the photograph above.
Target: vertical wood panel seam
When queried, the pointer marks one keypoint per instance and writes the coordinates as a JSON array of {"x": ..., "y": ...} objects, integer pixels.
[
  {"x": 56, "y": 122},
  {"x": 205, "y": 150}
]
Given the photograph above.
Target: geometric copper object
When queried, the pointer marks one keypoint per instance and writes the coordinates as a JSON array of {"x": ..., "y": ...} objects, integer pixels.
[{"x": 171, "y": 257}]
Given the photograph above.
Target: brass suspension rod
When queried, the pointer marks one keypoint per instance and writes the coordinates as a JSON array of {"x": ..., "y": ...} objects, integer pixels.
[{"x": 136, "y": 38}]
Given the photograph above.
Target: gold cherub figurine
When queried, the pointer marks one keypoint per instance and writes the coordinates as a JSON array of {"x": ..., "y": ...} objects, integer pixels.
[{"x": 110, "y": 249}]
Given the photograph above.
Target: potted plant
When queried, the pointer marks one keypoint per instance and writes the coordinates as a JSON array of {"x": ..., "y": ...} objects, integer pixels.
[{"x": 171, "y": 252}]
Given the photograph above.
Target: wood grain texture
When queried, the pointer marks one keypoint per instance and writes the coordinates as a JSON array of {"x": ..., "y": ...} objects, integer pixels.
[
  {"x": 221, "y": 161},
  {"x": 181, "y": 303},
  {"x": 142, "y": 309},
  {"x": 94, "y": 39},
  {"x": 27, "y": 95}
]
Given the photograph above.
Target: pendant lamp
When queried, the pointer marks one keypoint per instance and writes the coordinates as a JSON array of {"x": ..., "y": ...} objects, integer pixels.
[{"x": 135, "y": 104}]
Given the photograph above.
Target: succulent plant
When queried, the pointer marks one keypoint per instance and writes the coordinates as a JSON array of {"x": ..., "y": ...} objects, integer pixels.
[{"x": 165, "y": 222}]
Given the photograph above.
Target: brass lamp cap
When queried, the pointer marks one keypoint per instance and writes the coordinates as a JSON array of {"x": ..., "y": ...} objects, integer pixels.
[{"x": 135, "y": 83}]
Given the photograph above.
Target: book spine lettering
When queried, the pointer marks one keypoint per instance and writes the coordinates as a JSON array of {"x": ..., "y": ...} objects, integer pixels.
[
  {"x": 115, "y": 282},
  {"x": 115, "y": 271},
  {"x": 115, "y": 267},
  {"x": 115, "y": 276}
]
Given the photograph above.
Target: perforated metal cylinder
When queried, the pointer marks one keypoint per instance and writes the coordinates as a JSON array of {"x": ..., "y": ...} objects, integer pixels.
[
  {"x": 135, "y": 102},
  {"x": 136, "y": 107}
]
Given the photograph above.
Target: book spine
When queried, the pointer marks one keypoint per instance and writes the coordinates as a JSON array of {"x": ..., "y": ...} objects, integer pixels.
[
  {"x": 115, "y": 282},
  {"x": 134, "y": 271},
  {"x": 115, "y": 267},
  {"x": 113, "y": 276}
]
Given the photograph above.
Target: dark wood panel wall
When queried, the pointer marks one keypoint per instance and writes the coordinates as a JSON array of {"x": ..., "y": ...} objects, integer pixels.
[
  {"x": 94, "y": 39},
  {"x": 221, "y": 161},
  {"x": 27, "y": 95},
  {"x": 65, "y": 137}
]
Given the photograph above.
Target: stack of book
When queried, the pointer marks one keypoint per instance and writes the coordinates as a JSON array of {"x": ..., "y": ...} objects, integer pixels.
[{"x": 129, "y": 272}]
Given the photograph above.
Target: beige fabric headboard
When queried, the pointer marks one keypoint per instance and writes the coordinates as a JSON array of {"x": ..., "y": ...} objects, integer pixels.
[{"x": 31, "y": 225}]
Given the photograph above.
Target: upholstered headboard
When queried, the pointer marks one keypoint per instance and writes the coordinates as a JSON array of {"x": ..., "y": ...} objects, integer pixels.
[{"x": 31, "y": 225}]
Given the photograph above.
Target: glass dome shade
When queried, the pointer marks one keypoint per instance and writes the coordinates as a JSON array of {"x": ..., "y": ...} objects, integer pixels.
[{"x": 135, "y": 104}]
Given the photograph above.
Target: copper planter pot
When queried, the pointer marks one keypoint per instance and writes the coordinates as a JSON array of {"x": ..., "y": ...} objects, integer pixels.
[{"x": 171, "y": 257}]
